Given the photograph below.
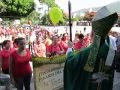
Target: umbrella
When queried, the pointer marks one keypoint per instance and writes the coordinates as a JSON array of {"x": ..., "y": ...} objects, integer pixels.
[
  {"x": 108, "y": 10},
  {"x": 114, "y": 7}
]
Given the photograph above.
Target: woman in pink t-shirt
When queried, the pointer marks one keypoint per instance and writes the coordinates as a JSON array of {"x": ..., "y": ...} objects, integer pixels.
[{"x": 39, "y": 48}]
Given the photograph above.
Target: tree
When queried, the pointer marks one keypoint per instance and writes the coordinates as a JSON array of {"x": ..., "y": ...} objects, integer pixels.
[
  {"x": 45, "y": 20},
  {"x": 34, "y": 17},
  {"x": 50, "y": 3},
  {"x": 18, "y": 7},
  {"x": 89, "y": 16},
  {"x": 2, "y": 7},
  {"x": 78, "y": 17}
]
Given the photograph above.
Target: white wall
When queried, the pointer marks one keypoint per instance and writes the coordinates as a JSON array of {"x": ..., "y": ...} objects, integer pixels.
[{"x": 63, "y": 29}]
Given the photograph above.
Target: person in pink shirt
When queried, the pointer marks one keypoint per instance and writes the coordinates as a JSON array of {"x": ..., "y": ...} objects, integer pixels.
[
  {"x": 55, "y": 48},
  {"x": 5, "y": 56},
  {"x": 79, "y": 43},
  {"x": 39, "y": 48}
]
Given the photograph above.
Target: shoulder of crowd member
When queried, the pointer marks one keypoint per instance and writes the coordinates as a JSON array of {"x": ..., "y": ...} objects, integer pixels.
[{"x": 27, "y": 49}]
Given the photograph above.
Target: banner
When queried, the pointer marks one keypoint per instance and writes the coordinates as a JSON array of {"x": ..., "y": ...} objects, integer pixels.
[{"x": 48, "y": 72}]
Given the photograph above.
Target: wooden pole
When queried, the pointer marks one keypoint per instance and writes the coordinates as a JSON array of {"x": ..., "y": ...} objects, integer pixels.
[{"x": 70, "y": 23}]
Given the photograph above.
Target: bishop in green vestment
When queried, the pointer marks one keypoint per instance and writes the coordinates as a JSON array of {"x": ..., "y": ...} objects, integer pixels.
[{"x": 86, "y": 70}]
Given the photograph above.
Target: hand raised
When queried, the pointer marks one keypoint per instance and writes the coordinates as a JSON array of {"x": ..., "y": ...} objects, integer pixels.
[{"x": 70, "y": 44}]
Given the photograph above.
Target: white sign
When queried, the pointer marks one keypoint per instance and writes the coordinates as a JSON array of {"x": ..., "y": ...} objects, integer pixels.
[{"x": 49, "y": 77}]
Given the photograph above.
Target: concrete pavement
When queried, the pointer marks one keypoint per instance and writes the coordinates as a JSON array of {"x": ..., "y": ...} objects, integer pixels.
[{"x": 13, "y": 88}]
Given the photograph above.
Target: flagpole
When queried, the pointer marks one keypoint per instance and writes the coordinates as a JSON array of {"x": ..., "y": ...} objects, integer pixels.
[{"x": 70, "y": 23}]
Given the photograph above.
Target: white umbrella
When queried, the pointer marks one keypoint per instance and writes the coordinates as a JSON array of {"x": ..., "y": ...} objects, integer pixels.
[
  {"x": 114, "y": 7},
  {"x": 108, "y": 10}
]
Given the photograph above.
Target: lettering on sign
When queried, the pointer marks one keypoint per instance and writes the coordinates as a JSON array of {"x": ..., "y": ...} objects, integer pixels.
[{"x": 49, "y": 77}]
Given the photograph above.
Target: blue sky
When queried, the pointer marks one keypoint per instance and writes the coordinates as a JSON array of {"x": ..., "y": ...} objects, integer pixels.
[{"x": 81, "y": 4}]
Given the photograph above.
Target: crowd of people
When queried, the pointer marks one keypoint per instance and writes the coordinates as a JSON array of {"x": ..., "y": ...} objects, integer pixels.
[
  {"x": 43, "y": 43},
  {"x": 18, "y": 45}
]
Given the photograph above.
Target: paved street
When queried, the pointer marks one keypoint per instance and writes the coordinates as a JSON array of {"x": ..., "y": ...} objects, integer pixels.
[
  {"x": 31, "y": 86},
  {"x": 13, "y": 88},
  {"x": 116, "y": 84}
]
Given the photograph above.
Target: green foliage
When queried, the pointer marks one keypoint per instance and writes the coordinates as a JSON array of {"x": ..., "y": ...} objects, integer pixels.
[
  {"x": 23, "y": 20},
  {"x": 89, "y": 16},
  {"x": 62, "y": 22},
  {"x": 2, "y": 7},
  {"x": 74, "y": 19},
  {"x": 33, "y": 16},
  {"x": 79, "y": 18},
  {"x": 18, "y": 7},
  {"x": 45, "y": 20},
  {"x": 50, "y": 3},
  {"x": 38, "y": 61}
]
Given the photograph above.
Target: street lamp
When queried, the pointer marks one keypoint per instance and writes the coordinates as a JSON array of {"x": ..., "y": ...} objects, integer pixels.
[{"x": 70, "y": 22}]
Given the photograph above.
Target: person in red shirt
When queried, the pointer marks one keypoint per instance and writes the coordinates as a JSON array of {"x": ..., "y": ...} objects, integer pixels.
[
  {"x": 20, "y": 70},
  {"x": 55, "y": 48},
  {"x": 5, "y": 56},
  {"x": 87, "y": 40},
  {"x": 64, "y": 41},
  {"x": 79, "y": 43},
  {"x": 76, "y": 38}
]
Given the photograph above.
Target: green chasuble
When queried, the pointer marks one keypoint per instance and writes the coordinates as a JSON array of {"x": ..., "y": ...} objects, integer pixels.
[{"x": 76, "y": 78}]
